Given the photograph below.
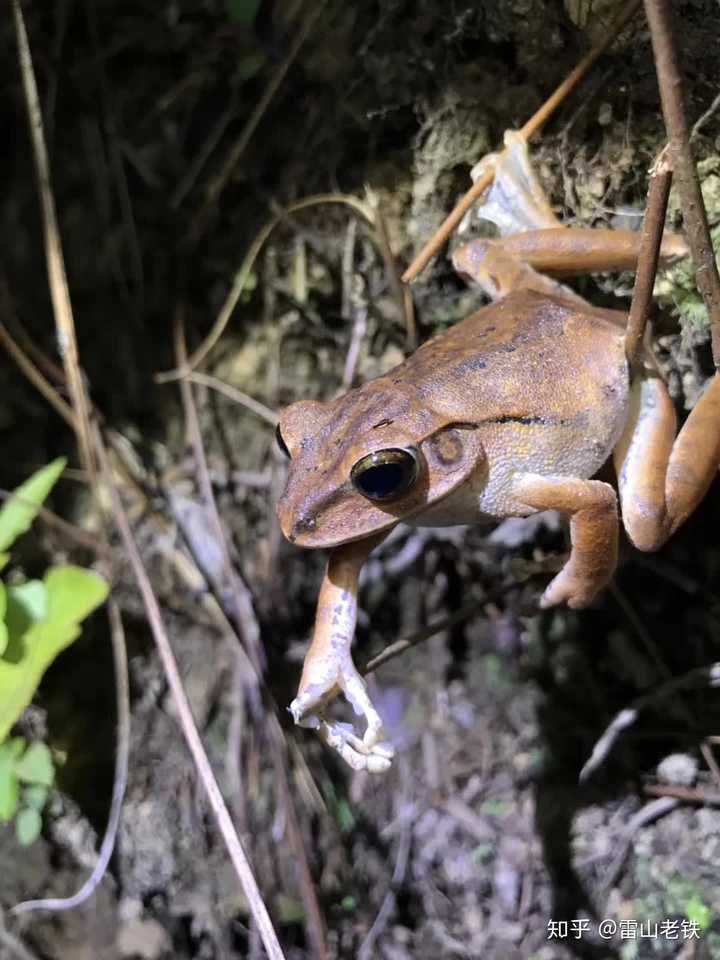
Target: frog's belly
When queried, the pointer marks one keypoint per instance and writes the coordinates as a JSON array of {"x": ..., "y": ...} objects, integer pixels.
[{"x": 573, "y": 449}]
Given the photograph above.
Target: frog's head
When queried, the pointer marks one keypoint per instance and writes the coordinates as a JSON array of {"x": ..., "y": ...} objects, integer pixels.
[{"x": 367, "y": 460}]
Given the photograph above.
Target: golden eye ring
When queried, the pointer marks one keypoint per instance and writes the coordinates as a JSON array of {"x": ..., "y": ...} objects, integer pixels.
[{"x": 386, "y": 475}]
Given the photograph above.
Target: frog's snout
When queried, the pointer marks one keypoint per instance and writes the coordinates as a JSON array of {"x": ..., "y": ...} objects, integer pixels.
[{"x": 304, "y": 525}]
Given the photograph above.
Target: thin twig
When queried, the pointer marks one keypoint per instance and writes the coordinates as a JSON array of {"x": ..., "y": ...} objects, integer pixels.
[
  {"x": 208, "y": 144},
  {"x": 528, "y": 130},
  {"x": 57, "y": 278},
  {"x": 701, "y": 121},
  {"x": 122, "y": 757},
  {"x": 464, "y": 613},
  {"x": 346, "y": 269},
  {"x": 402, "y": 295},
  {"x": 219, "y": 183},
  {"x": 660, "y": 20},
  {"x": 686, "y": 794},
  {"x": 233, "y": 592},
  {"x": 80, "y": 419},
  {"x": 652, "y": 650},
  {"x": 237, "y": 596},
  {"x": 648, "y": 256},
  {"x": 43, "y": 362},
  {"x": 187, "y": 723},
  {"x": 241, "y": 277},
  {"x": 652, "y": 811},
  {"x": 357, "y": 335},
  {"x": 116, "y": 166},
  {"x": 709, "y": 675},
  {"x": 709, "y": 757},
  {"x": 237, "y": 396},
  {"x": 37, "y": 379}
]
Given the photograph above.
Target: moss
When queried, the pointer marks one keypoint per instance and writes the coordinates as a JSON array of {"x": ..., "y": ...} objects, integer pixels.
[{"x": 677, "y": 292}]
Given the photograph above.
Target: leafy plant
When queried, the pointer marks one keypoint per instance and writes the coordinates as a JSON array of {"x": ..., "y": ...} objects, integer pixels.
[
  {"x": 26, "y": 774},
  {"x": 38, "y": 619}
]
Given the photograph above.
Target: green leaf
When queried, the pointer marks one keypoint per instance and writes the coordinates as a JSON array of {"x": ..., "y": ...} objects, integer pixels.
[
  {"x": 9, "y": 793},
  {"x": 26, "y": 603},
  {"x": 698, "y": 912},
  {"x": 35, "y": 796},
  {"x": 28, "y": 824},
  {"x": 18, "y": 513},
  {"x": 9, "y": 785},
  {"x": 242, "y": 11},
  {"x": 4, "y": 557},
  {"x": 3, "y": 610},
  {"x": 36, "y": 766},
  {"x": 72, "y": 593}
]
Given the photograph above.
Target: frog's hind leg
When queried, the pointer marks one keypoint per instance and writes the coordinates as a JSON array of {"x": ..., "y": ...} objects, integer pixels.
[
  {"x": 661, "y": 477},
  {"x": 499, "y": 272},
  {"x": 532, "y": 240},
  {"x": 516, "y": 201}
]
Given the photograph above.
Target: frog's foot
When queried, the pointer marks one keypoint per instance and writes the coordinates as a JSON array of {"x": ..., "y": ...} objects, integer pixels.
[
  {"x": 353, "y": 750},
  {"x": 369, "y": 752},
  {"x": 591, "y": 506},
  {"x": 516, "y": 202},
  {"x": 574, "y": 586}
]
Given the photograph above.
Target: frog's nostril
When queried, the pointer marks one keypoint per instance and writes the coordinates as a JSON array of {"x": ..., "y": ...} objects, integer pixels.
[{"x": 305, "y": 524}]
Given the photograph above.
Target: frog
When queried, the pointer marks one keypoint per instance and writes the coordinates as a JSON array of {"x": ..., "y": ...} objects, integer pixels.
[{"x": 508, "y": 413}]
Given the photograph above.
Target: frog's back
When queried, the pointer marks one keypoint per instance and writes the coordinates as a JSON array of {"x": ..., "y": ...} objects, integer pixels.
[
  {"x": 526, "y": 355},
  {"x": 546, "y": 381}
]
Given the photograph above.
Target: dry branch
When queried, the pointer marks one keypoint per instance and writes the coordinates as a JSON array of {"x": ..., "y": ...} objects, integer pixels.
[
  {"x": 662, "y": 32},
  {"x": 648, "y": 256}
]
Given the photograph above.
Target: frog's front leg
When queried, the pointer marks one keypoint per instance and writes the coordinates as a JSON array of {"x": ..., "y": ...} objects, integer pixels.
[
  {"x": 329, "y": 669},
  {"x": 592, "y": 508}
]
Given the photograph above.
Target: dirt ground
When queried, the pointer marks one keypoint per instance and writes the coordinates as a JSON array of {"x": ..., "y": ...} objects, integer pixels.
[{"x": 481, "y": 841}]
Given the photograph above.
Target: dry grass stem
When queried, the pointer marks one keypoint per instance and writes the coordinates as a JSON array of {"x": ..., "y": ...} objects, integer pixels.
[
  {"x": 60, "y": 295},
  {"x": 237, "y": 596},
  {"x": 189, "y": 729},
  {"x": 402, "y": 295},
  {"x": 237, "y": 396},
  {"x": 37, "y": 379}
]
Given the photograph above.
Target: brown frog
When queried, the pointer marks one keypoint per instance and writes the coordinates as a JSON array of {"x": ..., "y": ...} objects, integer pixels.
[{"x": 510, "y": 412}]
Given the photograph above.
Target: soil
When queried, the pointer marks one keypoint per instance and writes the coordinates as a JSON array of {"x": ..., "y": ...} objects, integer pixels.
[{"x": 482, "y": 841}]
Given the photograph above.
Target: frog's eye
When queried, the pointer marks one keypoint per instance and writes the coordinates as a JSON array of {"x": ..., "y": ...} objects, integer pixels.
[
  {"x": 386, "y": 474},
  {"x": 280, "y": 442}
]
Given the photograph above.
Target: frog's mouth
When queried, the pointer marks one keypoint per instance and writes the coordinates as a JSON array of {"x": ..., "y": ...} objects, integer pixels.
[{"x": 345, "y": 516}]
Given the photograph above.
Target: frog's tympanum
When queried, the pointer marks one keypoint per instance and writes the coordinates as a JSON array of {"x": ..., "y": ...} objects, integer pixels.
[{"x": 510, "y": 412}]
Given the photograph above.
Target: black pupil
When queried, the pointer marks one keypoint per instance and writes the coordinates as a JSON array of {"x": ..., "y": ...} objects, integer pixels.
[{"x": 383, "y": 480}]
